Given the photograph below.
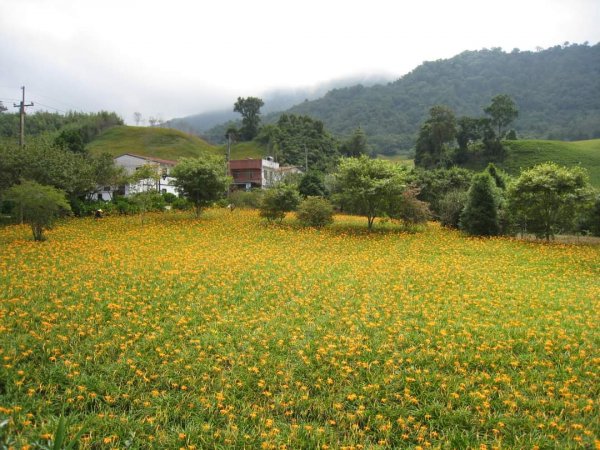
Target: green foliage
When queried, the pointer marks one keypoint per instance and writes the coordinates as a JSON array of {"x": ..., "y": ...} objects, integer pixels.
[
  {"x": 590, "y": 220},
  {"x": 246, "y": 199},
  {"x": 480, "y": 214},
  {"x": 356, "y": 145},
  {"x": 182, "y": 204},
  {"x": 249, "y": 108},
  {"x": 77, "y": 174},
  {"x": 435, "y": 184},
  {"x": 436, "y": 134},
  {"x": 201, "y": 180},
  {"x": 296, "y": 139},
  {"x": 315, "y": 212},
  {"x": 38, "y": 205},
  {"x": 169, "y": 197},
  {"x": 278, "y": 201},
  {"x": 450, "y": 206},
  {"x": 412, "y": 211},
  {"x": 556, "y": 90},
  {"x": 547, "y": 198},
  {"x": 369, "y": 187},
  {"x": 502, "y": 111},
  {"x": 312, "y": 185}
]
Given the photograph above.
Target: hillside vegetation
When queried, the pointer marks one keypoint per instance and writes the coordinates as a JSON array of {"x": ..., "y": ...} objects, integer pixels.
[
  {"x": 147, "y": 141},
  {"x": 557, "y": 92}
]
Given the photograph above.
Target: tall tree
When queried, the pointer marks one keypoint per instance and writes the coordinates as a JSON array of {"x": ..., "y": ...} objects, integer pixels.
[
  {"x": 480, "y": 216},
  {"x": 356, "y": 145},
  {"x": 503, "y": 111},
  {"x": 434, "y": 137},
  {"x": 249, "y": 108}
]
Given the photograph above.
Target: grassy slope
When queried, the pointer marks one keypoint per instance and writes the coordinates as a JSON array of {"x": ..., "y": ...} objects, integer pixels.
[
  {"x": 158, "y": 142},
  {"x": 165, "y": 143},
  {"x": 527, "y": 153}
]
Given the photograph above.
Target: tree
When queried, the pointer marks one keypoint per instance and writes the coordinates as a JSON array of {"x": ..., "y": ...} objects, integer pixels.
[
  {"x": 202, "y": 180},
  {"x": 434, "y": 137},
  {"x": 2, "y": 107},
  {"x": 38, "y": 205},
  {"x": 278, "y": 201},
  {"x": 549, "y": 197},
  {"x": 480, "y": 215},
  {"x": 143, "y": 183},
  {"x": 137, "y": 116},
  {"x": 249, "y": 108},
  {"x": 412, "y": 211},
  {"x": 315, "y": 212},
  {"x": 369, "y": 187},
  {"x": 312, "y": 185},
  {"x": 503, "y": 111},
  {"x": 356, "y": 145}
]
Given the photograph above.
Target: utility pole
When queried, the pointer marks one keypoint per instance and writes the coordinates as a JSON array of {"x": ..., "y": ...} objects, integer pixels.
[{"x": 22, "y": 107}]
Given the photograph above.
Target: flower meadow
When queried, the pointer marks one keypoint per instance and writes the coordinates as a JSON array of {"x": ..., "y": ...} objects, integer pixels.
[{"x": 226, "y": 332}]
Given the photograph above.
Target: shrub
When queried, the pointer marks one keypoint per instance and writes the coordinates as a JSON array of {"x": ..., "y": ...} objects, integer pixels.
[
  {"x": 315, "y": 212},
  {"x": 450, "y": 206},
  {"x": 169, "y": 197},
  {"x": 411, "y": 210},
  {"x": 182, "y": 204},
  {"x": 278, "y": 201},
  {"x": 246, "y": 199}
]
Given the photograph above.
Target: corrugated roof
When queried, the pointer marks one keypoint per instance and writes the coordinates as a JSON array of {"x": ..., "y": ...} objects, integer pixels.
[{"x": 169, "y": 162}]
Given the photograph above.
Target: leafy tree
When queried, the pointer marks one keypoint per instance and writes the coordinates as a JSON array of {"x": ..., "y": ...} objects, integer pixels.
[
  {"x": 356, "y": 145},
  {"x": 2, "y": 107},
  {"x": 435, "y": 184},
  {"x": 503, "y": 111},
  {"x": 38, "y": 205},
  {"x": 549, "y": 197},
  {"x": 434, "y": 137},
  {"x": 369, "y": 187},
  {"x": 137, "y": 117},
  {"x": 302, "y": 138},
  {"x": 315, "y": 212},
  {"x": 450, "y": 207},
  {"x": 249, "y": 108},
  {"x": 202, "y": 180},
  {"x": 480, "y": 215},
  {"x": 312, "y": 185},
  {"x": 278, "y": 201},
  {"x": 412, "y": 211},
  {"x": 71, "y": 139}
]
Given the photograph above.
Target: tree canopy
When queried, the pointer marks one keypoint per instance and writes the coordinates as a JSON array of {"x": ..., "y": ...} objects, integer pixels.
[
  {"x": 249, "y": 108},
  {"x": 369, "y": 187},
  {"x": 202, "y": 180}
]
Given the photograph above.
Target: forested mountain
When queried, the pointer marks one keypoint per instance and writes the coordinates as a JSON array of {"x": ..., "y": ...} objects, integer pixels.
[
  {"x": 557, "y": 92},
  {"x": 275, "y": 100}
]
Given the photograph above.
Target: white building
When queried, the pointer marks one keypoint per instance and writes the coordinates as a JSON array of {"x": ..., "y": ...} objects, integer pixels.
[{"x": 131, "y": 162}]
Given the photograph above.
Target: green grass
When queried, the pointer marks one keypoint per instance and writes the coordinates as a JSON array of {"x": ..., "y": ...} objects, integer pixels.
[
  {"x": 244, "y": 150},
  {"x": 163, "y": 143},
  {"x": 225, "y": 332},
  {"x": 527, "y": 153}
]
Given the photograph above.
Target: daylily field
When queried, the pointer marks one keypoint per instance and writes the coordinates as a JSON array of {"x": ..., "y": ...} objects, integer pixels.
[{"x": 226, "y": 332}]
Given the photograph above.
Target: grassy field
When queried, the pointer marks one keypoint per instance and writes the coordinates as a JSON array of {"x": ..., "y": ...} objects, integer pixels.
[
  {"x": 163, "y": 143},
  {"x": 527, "y": 153},
  {"x": 224, "y": 332}
]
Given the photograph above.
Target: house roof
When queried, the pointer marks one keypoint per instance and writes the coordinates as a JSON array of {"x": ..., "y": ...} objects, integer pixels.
[{"x": 168, "y": 162}]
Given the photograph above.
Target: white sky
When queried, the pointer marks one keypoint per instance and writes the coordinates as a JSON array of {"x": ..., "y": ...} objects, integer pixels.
[{"x": 179, "y": 57}]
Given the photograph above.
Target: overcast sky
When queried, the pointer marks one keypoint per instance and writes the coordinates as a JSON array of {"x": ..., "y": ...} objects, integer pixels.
[{"x": 179, "y": 57}]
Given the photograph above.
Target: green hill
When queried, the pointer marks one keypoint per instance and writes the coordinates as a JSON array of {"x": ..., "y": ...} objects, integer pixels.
[
  {"x": 557, "y": 91},
  {"x": 527, "y": 153},
  {"x": 163, "y": 143}
]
